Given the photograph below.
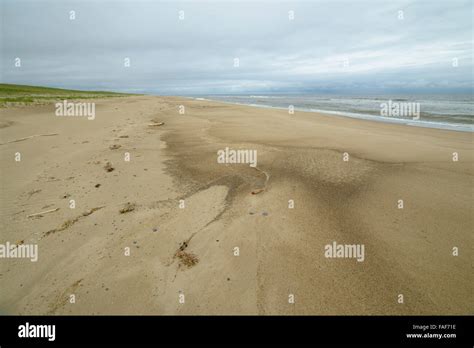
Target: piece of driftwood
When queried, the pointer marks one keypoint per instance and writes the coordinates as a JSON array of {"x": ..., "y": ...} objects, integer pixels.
[
  {"x": 156, "y": 124},
  {"x": 43, "y": 212},
  {"x": 31, "y": 136}
]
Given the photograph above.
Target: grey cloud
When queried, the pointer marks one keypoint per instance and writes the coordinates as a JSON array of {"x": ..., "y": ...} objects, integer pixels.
[{"x": 195, "y": 55}]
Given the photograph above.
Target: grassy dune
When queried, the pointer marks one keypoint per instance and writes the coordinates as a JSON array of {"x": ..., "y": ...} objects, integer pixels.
[{"x": 24, "y": 95}]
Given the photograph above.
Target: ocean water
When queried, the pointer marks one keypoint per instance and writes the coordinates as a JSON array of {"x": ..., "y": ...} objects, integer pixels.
[{"x": 454, "y": 112}]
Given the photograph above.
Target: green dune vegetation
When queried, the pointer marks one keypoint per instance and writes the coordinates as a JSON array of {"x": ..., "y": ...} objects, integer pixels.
[{"x": 25, "y": 95}]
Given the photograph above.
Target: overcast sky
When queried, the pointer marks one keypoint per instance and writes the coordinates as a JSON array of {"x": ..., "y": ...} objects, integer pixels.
[{"x": 330, "y": 46}]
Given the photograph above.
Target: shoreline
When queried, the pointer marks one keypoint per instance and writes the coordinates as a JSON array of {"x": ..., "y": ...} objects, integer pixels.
[{"x": 458, "y": 127}]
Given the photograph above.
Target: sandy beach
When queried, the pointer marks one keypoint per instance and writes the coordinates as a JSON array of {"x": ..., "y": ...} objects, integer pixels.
[{"x": 167, "y": 222}]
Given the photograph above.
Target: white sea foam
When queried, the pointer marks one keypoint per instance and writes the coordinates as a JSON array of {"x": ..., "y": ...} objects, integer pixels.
[{"x": 443, "y": 112}]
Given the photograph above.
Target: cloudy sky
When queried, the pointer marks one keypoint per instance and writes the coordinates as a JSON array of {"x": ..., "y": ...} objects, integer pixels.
[{"x": 337, "y": 46}]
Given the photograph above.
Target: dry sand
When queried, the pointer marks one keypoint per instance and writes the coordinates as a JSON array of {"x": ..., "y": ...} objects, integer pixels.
[{"x": 190, "y": 251}]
